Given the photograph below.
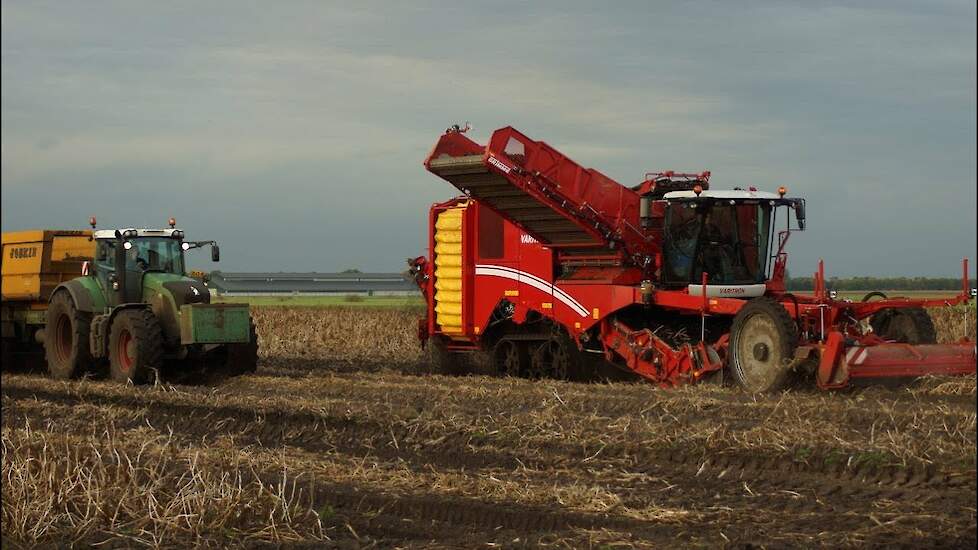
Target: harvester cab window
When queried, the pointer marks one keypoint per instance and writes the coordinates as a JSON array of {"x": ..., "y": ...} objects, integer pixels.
[{"x": 727, "y": 241}]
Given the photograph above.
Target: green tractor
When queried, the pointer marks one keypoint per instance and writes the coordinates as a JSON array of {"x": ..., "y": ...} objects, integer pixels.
[{"x": 135, "y": 308}]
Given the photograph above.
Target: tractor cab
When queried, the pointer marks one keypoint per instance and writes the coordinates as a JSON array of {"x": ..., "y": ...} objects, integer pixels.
[
  {"x": 130, "y": 261},
  {"x": 726, "y": 235}
]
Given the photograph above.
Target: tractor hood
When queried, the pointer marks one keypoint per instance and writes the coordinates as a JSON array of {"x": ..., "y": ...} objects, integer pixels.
[{"x": 181, "y": 290}]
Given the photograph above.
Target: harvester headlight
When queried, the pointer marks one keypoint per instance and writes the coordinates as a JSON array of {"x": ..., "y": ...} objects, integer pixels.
[
  {"x": 115, "y": 285},
  {"x": 974, "y": 292},
  {"x": 833, "y": 294},
  {"x": 130, "y": 233},
  {"x": 177, "y": 234},
  {"x": 185, "y": 246},
  {"x": 127, "y": 245}
]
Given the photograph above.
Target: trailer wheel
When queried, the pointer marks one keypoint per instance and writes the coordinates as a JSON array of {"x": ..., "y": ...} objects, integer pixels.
[
  {"x": 135, "y": 346},
  {"x": 66, "y": 338},
  {"x": 763, "y": 339},
  {"x": 243, "y": 358},
  {"x": 910, "y": 325},
  {"x": 511, "y": 358}
]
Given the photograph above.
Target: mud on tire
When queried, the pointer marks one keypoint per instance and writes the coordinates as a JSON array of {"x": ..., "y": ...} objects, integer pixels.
[
  {"x": 911, "y": 325},
  {"x": 135, "y": 346},
  {"x": 763, "y": 339},
  {"x": 66, "y": 338}
]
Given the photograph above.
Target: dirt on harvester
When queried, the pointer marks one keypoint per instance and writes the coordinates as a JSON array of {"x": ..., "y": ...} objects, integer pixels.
[{"x": 347, "y": 444}]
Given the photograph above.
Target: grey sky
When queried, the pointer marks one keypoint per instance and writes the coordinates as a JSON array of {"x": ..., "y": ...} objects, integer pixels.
[{"x": 294, "y": 132}]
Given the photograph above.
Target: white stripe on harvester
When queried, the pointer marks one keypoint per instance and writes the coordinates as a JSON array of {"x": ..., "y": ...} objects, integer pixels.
[{"x": 534, "y": 281}]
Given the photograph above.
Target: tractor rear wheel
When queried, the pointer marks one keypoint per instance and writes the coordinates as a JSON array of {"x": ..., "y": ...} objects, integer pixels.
[
  {"x": 910, "y": 325},
  {"x": 243, "y": 358},
  {"x": 511, "y": 358},
  {"x": 135, "y": 346},
  {"x": 763, "y": 339},
  {"x": 66, "y": 336}
]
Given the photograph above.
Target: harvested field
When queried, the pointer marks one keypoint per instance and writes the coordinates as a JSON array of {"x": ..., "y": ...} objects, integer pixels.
[{"x": 347, "y": 443}]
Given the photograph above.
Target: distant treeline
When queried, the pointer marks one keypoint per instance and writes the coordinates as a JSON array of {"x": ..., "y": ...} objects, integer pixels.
[{"x": 881, "y": 283}]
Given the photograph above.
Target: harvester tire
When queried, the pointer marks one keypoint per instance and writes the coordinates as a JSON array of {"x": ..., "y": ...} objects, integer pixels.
[
  {"x": 135, "y": 346},
  {"x": 763, "y": 339},
  {"x": 511, "y": 358},
  {"x": 66, "y": 338},
  {"x": 910, "y": 325},
  {"x": 443, "y": 361},
  {"x": 243, "y": 358}
]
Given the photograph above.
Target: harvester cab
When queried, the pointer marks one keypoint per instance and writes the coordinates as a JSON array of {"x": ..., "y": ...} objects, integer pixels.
[{"x": 730, "y": 239}]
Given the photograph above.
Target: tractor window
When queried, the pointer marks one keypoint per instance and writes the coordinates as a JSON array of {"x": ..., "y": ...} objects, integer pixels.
[
  {"x": 155, "y": 254},
  {"x": 727, "y": 241}
]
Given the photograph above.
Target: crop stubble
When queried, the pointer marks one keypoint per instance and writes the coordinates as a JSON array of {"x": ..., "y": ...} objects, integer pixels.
[{"x": 343, "y": 442}]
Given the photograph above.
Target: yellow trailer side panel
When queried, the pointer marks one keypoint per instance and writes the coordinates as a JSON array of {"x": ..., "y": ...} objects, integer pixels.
[{"x": 35, "y": 262}]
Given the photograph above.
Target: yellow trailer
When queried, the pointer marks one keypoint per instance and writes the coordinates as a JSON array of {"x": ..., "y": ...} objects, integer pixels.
[{"x": 34, "y": 263}]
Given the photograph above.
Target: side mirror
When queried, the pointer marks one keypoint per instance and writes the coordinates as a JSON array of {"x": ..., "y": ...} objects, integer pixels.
[
  {"x": 800, "y": 213},
  {"x": 215, "y": 253}
]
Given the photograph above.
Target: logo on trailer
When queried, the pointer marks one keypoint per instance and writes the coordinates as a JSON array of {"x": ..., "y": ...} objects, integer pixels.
[
  {"x": 23, "y": 252},
  {"x": 498, "y": 164}
]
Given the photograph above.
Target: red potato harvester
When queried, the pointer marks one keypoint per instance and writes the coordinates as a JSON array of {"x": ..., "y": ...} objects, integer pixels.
[{"x": 557, "y": 270}]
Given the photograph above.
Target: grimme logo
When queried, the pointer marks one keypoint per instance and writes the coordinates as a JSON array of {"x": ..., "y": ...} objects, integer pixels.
[
  {"x": 23, "y": 252},
  {"x": 495, "y": 162}
]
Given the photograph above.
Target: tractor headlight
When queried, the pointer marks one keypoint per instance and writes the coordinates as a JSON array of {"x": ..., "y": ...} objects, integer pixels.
[
  {"x": 130, "y": 233},
  {"x": 177, "y": 234},
  {"x": 185, "y": 246},
  {"x": 127, "y": 245}
]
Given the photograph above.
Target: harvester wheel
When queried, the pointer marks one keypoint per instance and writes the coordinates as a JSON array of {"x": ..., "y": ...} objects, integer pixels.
[
  {"x": 552, "y": 359},
  {"x": 763, "y": 339},
  {"x": 446, "y": 362},
  {"x": 910, "y": 325},
  {"x": 511, "y": 358},
  {"x": 243, "y": 358},
  {"x": 135, "y": 346},
  {"x": 66, "y": 338}
]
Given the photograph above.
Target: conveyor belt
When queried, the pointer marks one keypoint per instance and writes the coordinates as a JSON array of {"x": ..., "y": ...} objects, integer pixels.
[{"x": 470, "y": 174}]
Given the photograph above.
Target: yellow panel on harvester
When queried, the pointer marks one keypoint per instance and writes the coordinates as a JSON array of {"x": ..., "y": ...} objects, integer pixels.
[{"x": 448, "y": 270}]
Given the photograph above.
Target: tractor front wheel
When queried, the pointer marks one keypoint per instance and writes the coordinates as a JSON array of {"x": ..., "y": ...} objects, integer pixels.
[
  {"x": 66, "y": 338},
  {"x": 135, "y": 346},
  {"x": 763, "y": 339}
]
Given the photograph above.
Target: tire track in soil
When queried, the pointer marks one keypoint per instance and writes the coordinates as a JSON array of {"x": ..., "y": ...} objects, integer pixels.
[{"x": 355, "y": 437}]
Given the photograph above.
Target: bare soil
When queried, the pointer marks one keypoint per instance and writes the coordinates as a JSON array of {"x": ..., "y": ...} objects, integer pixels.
[{"x": 354, "y": 446}]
